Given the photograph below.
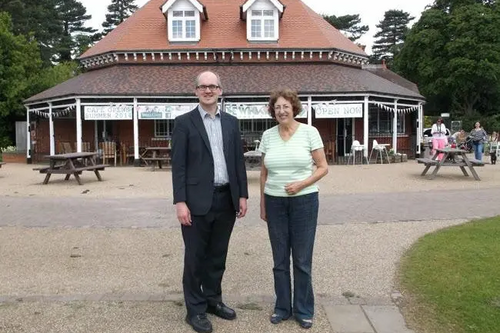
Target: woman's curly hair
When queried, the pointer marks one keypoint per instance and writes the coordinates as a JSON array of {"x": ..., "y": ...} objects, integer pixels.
[{"x": 290, "y": 96}]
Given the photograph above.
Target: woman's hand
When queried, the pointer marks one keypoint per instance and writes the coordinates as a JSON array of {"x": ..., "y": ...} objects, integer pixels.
[{"x": 294, "y": 188}]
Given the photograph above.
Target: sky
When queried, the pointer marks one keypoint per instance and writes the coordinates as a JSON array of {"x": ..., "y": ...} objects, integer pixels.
[{"x": 371, "y": 12}]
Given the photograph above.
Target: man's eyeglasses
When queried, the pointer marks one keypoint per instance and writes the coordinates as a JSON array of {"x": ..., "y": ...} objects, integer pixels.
[{"x": 203, "y": 87}]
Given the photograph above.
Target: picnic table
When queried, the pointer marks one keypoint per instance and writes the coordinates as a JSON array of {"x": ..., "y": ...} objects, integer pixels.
[
  {"x": 253, "y": 158},
  {"x": 451, "y": 157},
  {"x": 71, "y": 164},
  {"x": 153, "y": 156}
]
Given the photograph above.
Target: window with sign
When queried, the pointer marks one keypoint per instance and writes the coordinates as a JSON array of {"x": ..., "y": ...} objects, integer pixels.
[
  {"x": 380, "y": 121},
  {"x": 183, "y": 25},
  {"x": 164, "y": 128}
]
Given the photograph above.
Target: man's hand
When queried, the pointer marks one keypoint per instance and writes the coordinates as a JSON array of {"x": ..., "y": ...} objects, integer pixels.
[
  {"x": 183, "y": 214},
  {"x": 243, "y": 208},
  {"x": 293, "y": 188}
]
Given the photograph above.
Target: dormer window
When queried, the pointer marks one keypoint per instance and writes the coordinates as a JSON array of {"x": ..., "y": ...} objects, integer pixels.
[
  {"x": 183, "y": 24},
  {"x": 184, "y": 19},
  {"x": 262, "y": 24},
  {"x": 262, "y": 18}
]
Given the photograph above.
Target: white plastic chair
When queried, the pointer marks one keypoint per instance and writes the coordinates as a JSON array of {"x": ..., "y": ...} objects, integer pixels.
[
  {"x": 380, "y": 151},
  {"x": 356, "y": 146}
]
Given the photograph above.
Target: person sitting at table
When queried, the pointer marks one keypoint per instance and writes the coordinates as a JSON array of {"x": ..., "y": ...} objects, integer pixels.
[
  {"x": 493, "y": 147},
  {"x": 439, "y": 139},
  {"x": 479, "y": 137},
  {"x": 457, "y": 137}
]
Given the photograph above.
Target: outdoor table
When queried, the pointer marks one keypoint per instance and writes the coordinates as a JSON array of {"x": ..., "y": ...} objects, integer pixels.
[
  {"x": 253, "y": 158},
  {"x": 71, "y": 164},
  {"x": 451, "y": 157},
  {"x": 156, "y": 156}
]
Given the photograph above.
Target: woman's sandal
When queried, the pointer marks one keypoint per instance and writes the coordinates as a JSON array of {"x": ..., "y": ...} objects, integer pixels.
[{"x": 276, "y": 318}]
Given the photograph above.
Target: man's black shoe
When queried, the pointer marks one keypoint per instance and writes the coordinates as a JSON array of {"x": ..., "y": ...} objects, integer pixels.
[
  {"x": 222, "y": 311},
  {"x": 200, "y": 323}
]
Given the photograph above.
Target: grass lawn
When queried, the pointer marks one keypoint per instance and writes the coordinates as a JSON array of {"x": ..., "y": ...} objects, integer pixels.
[{"x": 451, "y": 280}]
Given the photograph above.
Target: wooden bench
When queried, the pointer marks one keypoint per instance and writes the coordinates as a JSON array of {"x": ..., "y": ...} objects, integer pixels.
[
  {"x": 156, "y": 160},
  {"x": 99, "y": 167},
  {"x": 476, "y": 163},
  {"x": 429, "y": 161},
  {"x": 42, "y": 169}
]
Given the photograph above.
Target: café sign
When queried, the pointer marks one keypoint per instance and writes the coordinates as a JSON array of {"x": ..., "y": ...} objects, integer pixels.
[
  {"x": 108, "y": 112},
  {"x": 165, "y": 111},
  {"x": 253, "y": 111},
  {"x": 326, "y": 110}
]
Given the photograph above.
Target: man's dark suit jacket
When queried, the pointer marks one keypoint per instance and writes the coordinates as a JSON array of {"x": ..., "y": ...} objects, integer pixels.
[{"x": 193, "y": 163}]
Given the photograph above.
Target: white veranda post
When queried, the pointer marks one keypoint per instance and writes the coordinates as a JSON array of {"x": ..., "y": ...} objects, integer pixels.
[
  {"x": 395, "y": 128},
  {"x": 136, "y": 131},
  {"x": 51, "y": 131},
  {"x": 28, "y": 136},
  {"x": 365, "y": 127},
  {"x": 78, "y": 125}
]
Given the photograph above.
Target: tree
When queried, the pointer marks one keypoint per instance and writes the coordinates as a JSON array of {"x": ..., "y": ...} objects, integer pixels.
[
  {"x": 72, "y": 17},
  {"x": 38, "y": 18},
  {"x": 348, "y": 24},
  {"x": 453, "y": 54},
  {"x": 391, "y": 36},
  {"x": 57, "y": 25},
  {"x": 118, "y": 11},
  {"x": 19, "y": 65}
]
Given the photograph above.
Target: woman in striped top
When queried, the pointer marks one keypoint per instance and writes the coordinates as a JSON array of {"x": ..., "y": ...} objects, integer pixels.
[{"x": 293, "y": 160}]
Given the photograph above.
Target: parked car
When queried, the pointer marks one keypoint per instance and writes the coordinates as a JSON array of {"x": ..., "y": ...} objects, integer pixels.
[{"x": 427, "y": 136}]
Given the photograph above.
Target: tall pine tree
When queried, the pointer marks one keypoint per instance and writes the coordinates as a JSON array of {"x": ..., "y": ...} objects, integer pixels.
[
  {"x": 391, "y": 34},
  {"x": 350, "y": 25},
  {"x": 118, "y": 11},
  {"x": 38, "y": 18},
  {"x": 72, "y": 17}
]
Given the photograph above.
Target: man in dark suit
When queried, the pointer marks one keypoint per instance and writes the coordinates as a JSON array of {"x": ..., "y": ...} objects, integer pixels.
[{"x": 210, "y": 190}]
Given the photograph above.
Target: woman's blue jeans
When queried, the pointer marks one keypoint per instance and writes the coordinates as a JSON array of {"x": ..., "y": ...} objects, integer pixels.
[
  {"x": 292, "y": 222},
  {"x": 478, "y": 150}
]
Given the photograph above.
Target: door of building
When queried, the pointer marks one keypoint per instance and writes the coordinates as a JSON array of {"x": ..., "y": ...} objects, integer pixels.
[{"x": 344, "y": 136}]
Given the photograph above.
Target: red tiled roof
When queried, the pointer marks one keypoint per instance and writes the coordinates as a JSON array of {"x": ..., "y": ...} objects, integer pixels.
[
  {"x": 387, "y": 74},
  {"x": 150, "y": 80},
  {"x": 300, "y": 28}
]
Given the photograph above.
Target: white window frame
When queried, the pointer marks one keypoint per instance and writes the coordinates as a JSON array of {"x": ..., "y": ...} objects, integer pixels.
[
  {"x": 261, "y": 6},
  {"x": 374, "y": 115},
  {"x": 183, "y": 6},
  {"x": 164, "y": 128}
]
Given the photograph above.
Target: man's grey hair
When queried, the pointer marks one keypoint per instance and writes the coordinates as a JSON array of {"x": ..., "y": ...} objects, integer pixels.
[{"x": 197, "y": 82}]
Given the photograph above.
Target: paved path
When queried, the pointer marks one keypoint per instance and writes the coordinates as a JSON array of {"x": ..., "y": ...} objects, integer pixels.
[
  {"x": 340, "y": 315},
  {"x": 335, "y": 209}
]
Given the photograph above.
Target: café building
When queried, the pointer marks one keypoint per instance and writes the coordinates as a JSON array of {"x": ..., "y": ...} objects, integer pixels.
[{"x": 140, "y": 76}]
